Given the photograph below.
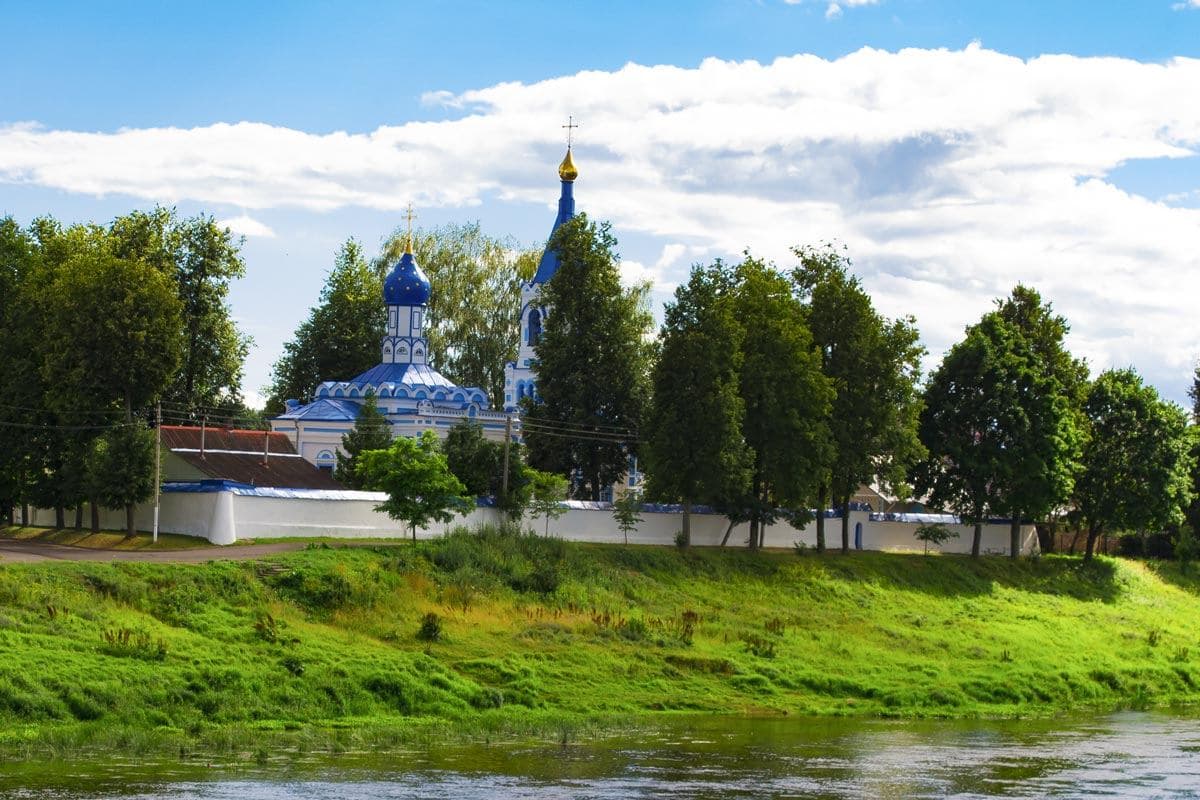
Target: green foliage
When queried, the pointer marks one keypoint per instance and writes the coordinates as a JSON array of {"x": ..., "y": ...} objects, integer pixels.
[
  {"x": 202, "y": 259},
  {"x": 593, "y": 363},
  {"x": 873, "y": 365},
  {"x": 431, "y": 628},
  {"x": 1136, "y": 468},
  {"x": 472, "y": 458},
  {"x": 420, "y": 487},
  {"x": 999, "y": 428},
  {"x": 695, "y": 452},
  {"x": 371, "y": 431},
  {"x": 649, "y": 628},
  {"x": 547, "y": 492},
  {"x": 474, "y": 314},
  {"x": 121, "y": 467},
  {"x": 341, "y": 336},
  {"x": 785, "y": 397},
  {"x": 627, "y": 511},
  {"x": 935, "y": 534}
]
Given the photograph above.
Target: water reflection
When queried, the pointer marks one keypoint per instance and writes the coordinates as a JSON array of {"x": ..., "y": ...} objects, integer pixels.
[{"x": 1133, "y": 755}]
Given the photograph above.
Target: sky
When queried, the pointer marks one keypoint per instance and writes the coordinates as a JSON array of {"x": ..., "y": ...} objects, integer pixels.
[{"x": 954, "y": 148}]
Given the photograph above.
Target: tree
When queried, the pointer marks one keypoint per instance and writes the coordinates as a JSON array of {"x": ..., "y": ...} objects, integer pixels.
[
  {"x": 593, "y": 364},
  {"x": 474, "y": 315},
  {"x": 202, "y": 259},
  {"x": 694, "y": 449},
  {"x": 785, "y": 399},
  {"x": 998, "y": 429},
  {"x": 341, "y": 336},
  {"x": 936, "y": 534},
  {"x": 371, "y": 431},
  {"x": 1136, "y": 464},
  {"x": 123, "y": 352},
  {"x": 121, "y": 468},
  {"x": 546, "y": 495},
  {"x": 414, "y": 474},
  {"x": 1049, "y": 446},
  {"x": 471, "y": 457},
  {"x": 17, "y": 347},
  {"x": 874, "y": 366},
  {"x": 627, "y": 512}
]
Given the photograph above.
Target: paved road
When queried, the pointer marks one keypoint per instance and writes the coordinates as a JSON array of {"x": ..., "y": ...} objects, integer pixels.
[{"x": 12, "y": 551}]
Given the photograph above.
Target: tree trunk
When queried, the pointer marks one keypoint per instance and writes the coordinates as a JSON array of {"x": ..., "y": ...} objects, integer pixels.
[
  {"x": 846, "y": 526},
  {"x": 822, "y": 493},
  {"x": 414, "y": 533},
  {"x": 687, "y": 523},
  {"x": 1093, "y": 533},
  {"x": 60, "y": 517},
  {"x": 1014, "y": 537},
  {"x": 728, "y": 530},
  {"x": 754, "y": 531},
  {"x": 79, "y": 517},
  {"x": 25, "y": 514},
  {"x": 95, "y": 518},
  {"x": 977, "y": 539},
  {"x": 1074, "y": 541},
  {"x": 130, "y": 530}
]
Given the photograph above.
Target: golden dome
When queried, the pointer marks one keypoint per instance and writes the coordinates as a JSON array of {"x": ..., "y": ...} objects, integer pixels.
[{"x": 566, "y": 170}]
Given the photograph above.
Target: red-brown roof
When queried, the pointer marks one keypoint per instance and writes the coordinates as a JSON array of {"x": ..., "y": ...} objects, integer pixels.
[
  {"x": 237, "y": 455},
  {"x": 188, "y": 437}
]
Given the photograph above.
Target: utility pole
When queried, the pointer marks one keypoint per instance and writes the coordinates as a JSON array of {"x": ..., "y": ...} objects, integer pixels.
[
  {"x": 504, "y": 475},
  {"x": 267, "y": 446},
  {"x": 157, "y": 465},
  {"x": 203, "y": 427}
]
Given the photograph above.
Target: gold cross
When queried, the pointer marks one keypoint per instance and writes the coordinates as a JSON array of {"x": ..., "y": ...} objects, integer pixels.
[
  {"x": 570, "y": 126},
  {"x": 409, "y": 215}
]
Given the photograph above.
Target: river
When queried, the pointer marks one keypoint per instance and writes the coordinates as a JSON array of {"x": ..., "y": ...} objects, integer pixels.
[{"x": 1126, "y": 755}]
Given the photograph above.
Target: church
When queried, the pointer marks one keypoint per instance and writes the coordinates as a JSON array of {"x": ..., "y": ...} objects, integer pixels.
[{"x": 412, "y": 395}]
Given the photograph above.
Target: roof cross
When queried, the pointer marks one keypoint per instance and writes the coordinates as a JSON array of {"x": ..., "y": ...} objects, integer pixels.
[
  {"x": 409, "y": 215},
  {"x": 570, "y": 126}
]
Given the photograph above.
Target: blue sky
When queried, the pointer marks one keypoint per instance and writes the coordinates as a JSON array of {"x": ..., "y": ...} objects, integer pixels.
[{"x": 952, "y": 156}]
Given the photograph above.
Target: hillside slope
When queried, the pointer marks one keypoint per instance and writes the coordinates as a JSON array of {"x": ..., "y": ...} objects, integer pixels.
[{"x": 538, "y": 634}]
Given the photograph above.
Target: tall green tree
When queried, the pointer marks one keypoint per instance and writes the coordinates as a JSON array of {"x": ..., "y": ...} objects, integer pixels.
[
  {"x": 202, "y": 259},
  {"x": 419, "y": 484},
  {"x": 1046, "y": 446},
  {"x": 18, "y": 254},
  {"x": 1136, "y": 465},
  {"x": 471, "y": 457},
  {"x": 785, "y": 398},
  {"x": 121, "y": 468},
  {"x": 593, "y": 363},
  {"x": 371, "y": 431},
  {"x": 341, "y": 336},
  {"x": 874, "y": 366},
  {"x": 474, "y": 316},
  {"x": 694, "y": 451},
  {"x": 123, "y": 351},
  {"x": 998, "y": 430}
]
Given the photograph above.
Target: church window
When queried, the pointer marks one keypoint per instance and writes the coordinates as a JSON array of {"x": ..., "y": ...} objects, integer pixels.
[
  {"x": 402, "y": 352},
  {"x": 535, "y": 327},
  {"x": 418, "y": 354},
  {"x": 416, "y": 322}
]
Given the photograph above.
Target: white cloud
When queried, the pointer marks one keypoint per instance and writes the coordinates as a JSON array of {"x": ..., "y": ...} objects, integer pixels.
[
  {"x": 247, "y": 226},
  {"x": 950, "y": 174},
  {"x": 1186, "y": 4}
]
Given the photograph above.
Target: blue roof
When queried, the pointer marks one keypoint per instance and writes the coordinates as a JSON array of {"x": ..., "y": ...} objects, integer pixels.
[
  {"x": 325, "y": 410},
  {"x": 406, "y": 284},
  {"x": 410, "y": 374},
  {"x": 566, "y": 209}
]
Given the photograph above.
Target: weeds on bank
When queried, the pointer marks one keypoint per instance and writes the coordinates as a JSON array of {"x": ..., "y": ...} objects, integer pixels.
[{"x": 493, "y": 627}]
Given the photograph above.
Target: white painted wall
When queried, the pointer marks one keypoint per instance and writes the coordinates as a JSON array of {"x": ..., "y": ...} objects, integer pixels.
[{"x": 225, "y": 517}]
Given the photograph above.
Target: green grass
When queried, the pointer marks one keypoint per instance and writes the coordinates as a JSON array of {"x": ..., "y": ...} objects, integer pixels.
[{"x": 320, "y": 647}]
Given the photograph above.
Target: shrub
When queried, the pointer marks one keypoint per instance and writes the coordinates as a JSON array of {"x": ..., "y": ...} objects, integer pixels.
[
  {"x": 126, "y": 643},
  {"x": 759, "y": 645},
  {"x": 633, "y": 630},
  {"x": 681, "y": 540},
  {"x": 935, "y": 533},
  {"x": 293, "y": 665},
  {"x": 431, "y": 628}
]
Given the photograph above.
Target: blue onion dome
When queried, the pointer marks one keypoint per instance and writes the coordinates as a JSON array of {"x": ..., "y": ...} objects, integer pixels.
[{"x": 406, "y": 284}]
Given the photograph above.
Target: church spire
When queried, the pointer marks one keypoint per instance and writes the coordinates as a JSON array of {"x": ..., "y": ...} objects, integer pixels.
[{"x": 566, "y": 207}]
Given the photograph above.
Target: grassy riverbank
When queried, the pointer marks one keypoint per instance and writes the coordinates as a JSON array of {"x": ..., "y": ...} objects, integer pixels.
[{"x": 321, "y": 647}]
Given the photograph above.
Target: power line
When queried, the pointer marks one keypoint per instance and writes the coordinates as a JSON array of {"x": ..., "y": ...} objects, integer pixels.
[{"x": 569, "y": 424}]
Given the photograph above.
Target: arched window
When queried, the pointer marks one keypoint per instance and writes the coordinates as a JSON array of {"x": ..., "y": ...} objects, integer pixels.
[
  {"x": 402, "y": 352},
  {"x": 535, "y": 327}
]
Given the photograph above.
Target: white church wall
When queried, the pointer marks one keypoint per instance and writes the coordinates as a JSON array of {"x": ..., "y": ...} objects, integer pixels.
[{"x": 228, "y": 516}]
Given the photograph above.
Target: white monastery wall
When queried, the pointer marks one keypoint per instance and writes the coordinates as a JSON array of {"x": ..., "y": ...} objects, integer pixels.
[{"x": 225, "y": 517}]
